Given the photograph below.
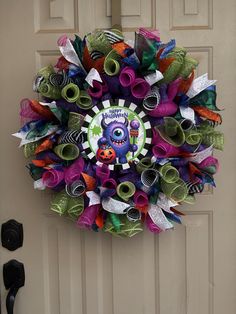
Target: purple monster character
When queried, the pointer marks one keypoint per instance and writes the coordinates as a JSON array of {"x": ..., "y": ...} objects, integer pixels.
[{"x": 116, "y": 135}]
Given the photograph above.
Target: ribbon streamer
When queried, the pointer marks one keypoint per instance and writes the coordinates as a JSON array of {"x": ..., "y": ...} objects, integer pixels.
[
  {"x": 114, "y": 206},
  {"x": 199, "y": 84},
  {"x": 68, "y": 51},
  {"x": 93, "y": 75},
  {"x": 158, "y": 217}
]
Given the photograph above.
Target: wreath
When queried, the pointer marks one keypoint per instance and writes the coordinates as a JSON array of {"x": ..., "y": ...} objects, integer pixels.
[{"x": 122, "y": 132}]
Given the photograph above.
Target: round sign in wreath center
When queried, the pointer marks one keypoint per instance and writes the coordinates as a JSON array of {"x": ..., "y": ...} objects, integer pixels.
[{"x": 116, "y": 133}]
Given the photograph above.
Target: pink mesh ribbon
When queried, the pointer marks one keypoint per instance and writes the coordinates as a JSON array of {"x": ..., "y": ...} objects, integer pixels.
[
  {"x": 140, "y": 199},
  {"x": 140, "y": 88},
  {"x": 127, "y": 76},
  {"x": 151, "y": 225},
  {"x": 26, "y": 112},
  {"x": 52, "y": 178},
  {"x": 161, "y": 148},
  {"x": 166, "y": 107},
  {"x": 97, "y": 90},
  {"x": 88, "y": 216},
  {"x": 73, "y": 172}
]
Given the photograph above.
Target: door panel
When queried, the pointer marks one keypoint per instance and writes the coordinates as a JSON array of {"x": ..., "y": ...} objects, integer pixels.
[{"x": 190, "y": 270}]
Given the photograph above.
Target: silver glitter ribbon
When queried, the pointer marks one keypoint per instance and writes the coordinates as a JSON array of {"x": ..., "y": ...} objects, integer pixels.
[
  {"x": 113, "y": 206},
  {"x": 70, "y": 54},
  {"x": 158, "y": 217},
  {"x": 149, "y": 177},
  {"x": 75, "y": 189},
  {"x": 152, "y": 100},
  {"x": 133, "y": 214}
]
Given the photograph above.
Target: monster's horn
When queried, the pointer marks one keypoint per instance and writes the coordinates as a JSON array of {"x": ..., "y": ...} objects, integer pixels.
[
  {"x": 103, "y": 124},
  {"x": 126, "y": 123}
]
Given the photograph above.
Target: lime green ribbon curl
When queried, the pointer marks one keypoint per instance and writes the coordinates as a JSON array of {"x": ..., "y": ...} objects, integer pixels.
[{"x": 63, "y": 204}]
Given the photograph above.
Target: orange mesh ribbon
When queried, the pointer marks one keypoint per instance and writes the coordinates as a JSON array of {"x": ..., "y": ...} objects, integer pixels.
[{"x": 208, "y": 114}]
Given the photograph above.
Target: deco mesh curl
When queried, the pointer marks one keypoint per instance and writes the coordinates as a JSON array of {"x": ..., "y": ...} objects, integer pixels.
[{"x": 121, "y": 131}]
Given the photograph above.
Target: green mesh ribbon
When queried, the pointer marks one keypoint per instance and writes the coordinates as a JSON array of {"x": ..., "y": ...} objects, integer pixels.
[
  {"x": 63, "y": 204},
  {"x": 143, "y": 164},
  {"x": 188, "y": 66},
  {"x": 78, "y": 46},
  {"x": 29, "y": 149},
  {"x": 46, "y": 71},
  {"x": 127, "y": 228},
  {"x": 148, "y": 57},
  {"x": 75, "y": 207},
  {"x": 115, "y": 220},
  {"x": 59, "y": 203},
  {"x": 174, "y": 68},
  {"x": 190, "y": 199},
  {"x": 84, "y": 101},
  {"x": 172, "y": 132},
  {"x": 214, "y": 138},
  {"x": 125, "y": 190},
  {"x": 193, "y": 137},
  {"x": 176, "y": 191},
  {"x": 206, "y": 98},
  {"x": 169, "y": 173},
  {"x": 111, "y": 63},
  {"x": 97, "y": 41},
  {"x": 49, "y": 91},
  {"x": 70, "y": 92},
  {"x": 75, "y": 121},
  {"x": 67, "y": 151}
]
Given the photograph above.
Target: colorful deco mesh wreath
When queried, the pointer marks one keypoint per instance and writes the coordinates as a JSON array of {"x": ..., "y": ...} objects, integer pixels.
[{"x": 122, "y": 132}]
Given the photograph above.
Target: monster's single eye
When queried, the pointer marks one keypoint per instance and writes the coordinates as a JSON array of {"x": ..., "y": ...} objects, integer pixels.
[{"x": 118, "y": 134}]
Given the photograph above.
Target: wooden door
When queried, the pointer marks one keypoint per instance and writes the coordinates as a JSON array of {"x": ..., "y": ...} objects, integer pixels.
[{"x": 190, "y": 270}]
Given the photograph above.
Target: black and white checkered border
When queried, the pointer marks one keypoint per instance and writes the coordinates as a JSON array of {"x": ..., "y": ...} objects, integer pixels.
[{"x": 121, "y": 103}]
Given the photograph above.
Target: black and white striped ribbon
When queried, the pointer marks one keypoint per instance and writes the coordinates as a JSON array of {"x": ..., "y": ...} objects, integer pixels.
[
  {"x": 72, "y": 136},
  {"x": 113, "y": 37},
  {"x": 96, "y": 55},
  {"x": 59, "y": 79}
]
